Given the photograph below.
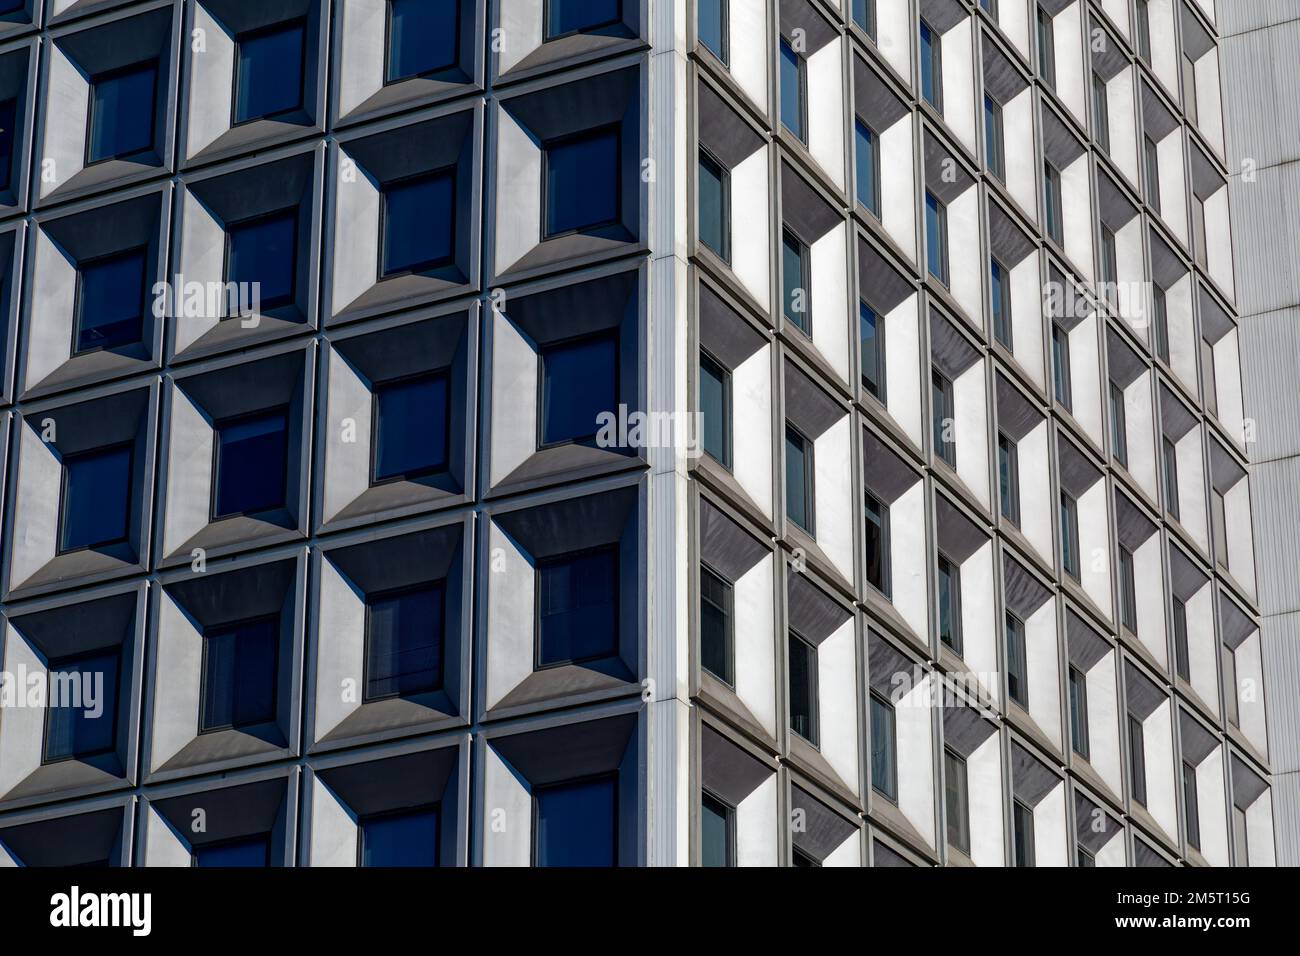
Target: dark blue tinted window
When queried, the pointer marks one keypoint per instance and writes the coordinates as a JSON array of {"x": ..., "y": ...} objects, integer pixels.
[
  {"x": 582, "y": 182},
  {"x": 8, "y": 122},
  {"x": 794, "y": 278},
  {"x": 577, "y": 602},
  {"x": 11, "y": 6},
  {"x": 865, "y": 155},
  {"x": 931, "y": 75},
  {"x": 936, "y": 239},
  {"x": 711, "y": 26},
  {"x": 873, "y": 378},
  {"x": 411, "y": 428},
  {"x": 111, "y": 308},
  {"x": 422, "y": 37},
  {"x": 404, "y": 633},
  {"x": 409, "y": 838},
  {"x": 419, "y": 223},
  {"x": 96, "y": 498},
  {"x": 81, "y": 722},
  {"x": 262, "y": 250},
  {"x": 577, "y": 823},
  {"x": 252, "y": 455},
  {"x": 255, "y": 851},
  {"x": 122, "y": 112},
  {"x": 715, "y": 409},
  {"x": 803, "y": 688},
  {"x": 714, "y": 202},
  {"x": 572, "y": 16},
  {"x": 798, "y": 479},
  {"x": 579, "y": 382},
  {"x": 269, "y": 72},
  {"x": 792, "y": 95},
  {"x": 239, "y": 674},
  {"x": 717, "y": 847}
]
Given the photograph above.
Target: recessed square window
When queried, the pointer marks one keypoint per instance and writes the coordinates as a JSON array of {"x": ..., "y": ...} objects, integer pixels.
[
  {"x": 122, "y": 106},
  {"x": 422, "y": 37},
  {"x": 411, "y": 425},
  {"x": 247, "y": 851},
  {"x": 8, "y": 128},
  {"x": 579, "y": 380},
  {"x": 404, "y": 641},
  {"x": 110, "y": 301},
  {"x": 81, "y": 719},
  {"x": 268, "y": 71},
  {"x": 400, "y": 838},
  {"x": 263, "y": 250},
  {"x": 576, "y": 823},
  {"x": 577, "y": 607},
  {"x": 251, "y": 470},
  {"x": 582, "y": 178},
  {"x": 564, "y": 17},
  {"x": 419, "y": 225},
  {"x": 239, "y": 674},
  {"x": 96, "y": 507}
]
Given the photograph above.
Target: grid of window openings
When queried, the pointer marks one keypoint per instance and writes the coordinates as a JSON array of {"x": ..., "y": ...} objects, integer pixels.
[
  {"x": 277, "y": 520},
  {"x": 339, "y": 548},
  {"x": 971, "y": 396}
]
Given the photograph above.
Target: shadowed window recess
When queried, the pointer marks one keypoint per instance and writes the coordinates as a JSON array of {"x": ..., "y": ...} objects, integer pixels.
[
  {"x": 111, "y": 301},
  {"x": 81, "y": 716},
  {"x": 577, "y": 607},
  {"x": 262, "y": 253},
  {"x": 269, "y": 71},
  {"x": 422, "y": 38},
  {"x": 419, "y": 224},
  {"x": 122, "y": 110},
  {"x": 579, "y": 381},
  {"x": 566, "y": 17},
  {"x": 582, "y": 181},
  {"x": 246, "y": 851},
  {"x": 405, "y": 631},
  {"x": 240, "y": 674},
  {"x": 251, "y": 470},
  {"x": 400, "y": 838},
  {"x": 96, "y": 507},
  {"x": 411, "y": 428},
  {"x": 576, "y": 823}
]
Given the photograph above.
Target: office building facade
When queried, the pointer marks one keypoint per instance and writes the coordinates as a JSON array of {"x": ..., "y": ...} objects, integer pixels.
[{"x": 612, "y": 432}]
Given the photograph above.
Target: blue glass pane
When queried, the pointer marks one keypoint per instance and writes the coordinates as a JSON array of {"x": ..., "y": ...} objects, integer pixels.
[
  {"x": 796, "y": 489},
  {"x": 404, "y": 643},
  {"x": 121, "y": 113},
  {"x": 713, "y": 409},
  {"x": 867, "y": 330},
  {"x": 865, "y": 154},
  {"x": 579, "y": 381},
  {"x": 422, "y": 38},
  {"x": 111, "y": 307},
  {"x": 419, "y": 223},
  {"x": 80, "y": 721},
  {"x": 791, "y": 90},
  {"x": 715, "y": 849},
  {"x": 862, "y": 15},
  {"x": 577, "y": 607},
  {"x": 576, "y": 824},
  {"x": 713, "y": 206},
  {"x": 401, "y": 839},
  {"x": 8, "y": 122},
  {"x": 269, "y": 73},
  {"x": 411, "y": 433},
  {"x": 96, "y": 498},
  {"x": 251, "y": 852},
  {"x": 582, "y": 182},
  {"x": 803, "y": 689},
  {"x": 239, "y": 675},
  {"x": 571, "y": 16},
  {"x": 928, "y": 77},
  {"x": 262, "y": 250},
  {"x": 934, "y": 250},
  {"x": 11, "y": 6},
  {"x": 792, "y": 278},
  {"x": 252, "y": 456},
  {"x": 710, "y": 26}
]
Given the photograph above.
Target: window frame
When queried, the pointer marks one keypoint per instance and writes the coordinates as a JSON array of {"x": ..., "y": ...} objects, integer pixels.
[
  {"x": 729, "y": 822},
  {"x": 388, "y": 594},
  {"x": 1151, "y": 172},
  {"x": 791, "y": 239},
  {"x": 940, "y": 215},
  {"x": 567, "y": 557},
  {"x": 570, "y": 139},
  {"x": 868, "y": 24},
  {"x": 1169, "y": 471},
  {"x": 222, "y": 630},
  {"x": 220, "y": 425},
  {"x": 1178, "y": 627},
  {"x": 548, "y": 37},
  {"x": 880, "y": 706},
  {"x": 1118, "y": 424},
  {"x": 994, "y": 139},
  {"x": 607, "y": 333},
  {"x": 872, "y": 139},
  {"x": 882, "y": 525},
  {"x": 1191, "y": 806},
  {"x": 1045, "y": 34},
  {"x": 703, "y": 159},
  {"x": 1077, "y": 689},
  {"x": 727, "y": 409},
  {"x": 280, "y": 26},
  {"x": 1053, "y": 209},
  {"x": 953, "y": 574},
  {"x": 728, "y": 613},
  {"x": 1137, "y": 761},
  {"x": 1009, "y": 498},
  {"x": 1109, "y": 265},
  {"x": 389, "y": 79},
  {"x": 935, "y": 63},
  {"x": 376, "y": 395},
  {"x": 1143, "y": 17},
  {"x": 809, "y": 481},
  {"x": 1160, "y": 323},
  {"x": 98, "y": 451},
  {"x": 879, "y": 392},
  {"x": 154, "y": 64},
  {"x": 79, "y": 293},
  {"x": 944, "y": 450},
  {"x": 813, "y": 739},
  {"x": 276, "y": 302},
  {"x": 1062, "y": 386},
  {"x": 1022, "y": 833},
  {"x": 1100, "y": 112},
  {"x": 801, "y": 72},
  {"x": 1017, "y": 658},
  {"x": 960, "y": 794},
  {"x": 262, "y": 839},
  {"x": 1232, "y": 699},
  {"x": 999, "y": 277},
  {"x": 423, "y": 265},
  {"x": 724, "y": 29},
  {"x": 365, "y": 819},
  {"x": 62, "y": 664},
  {"x": 1127, "y": 589},
  {"x": 535, "y": 800},
  {"x": 1068, "y": 516}
]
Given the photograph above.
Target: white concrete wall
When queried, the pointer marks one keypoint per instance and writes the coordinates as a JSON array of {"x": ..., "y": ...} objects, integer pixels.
[
  {"x": 1037, "y": 507},
  {"x": 1227, "y": 386},
  {"x": 1095, "y": 546},
  {"x": 1173, "y": 179},
  {"x": 1043, "y": 662},
  {"x": 837, "y": 701},
  {"x": 750, "y": 209},
  {"x": 907, "y": 562},
  {"x": 837, "y": 506},
  {"x": 902, "y": 367},
  {"x": 984, "y": 790},
  {"x": 1212, "y": 809},
  {"x": 754, "y": 634},
  {"x": 898, "y": 185},
  {"x": 751, "y": 441},
  {"x": 1190, "y": 454},
  {"x": 1139, "y": 427},
  {"x": 967, "y": 265},
  {"x": 1021, "y": 160},
  {"x": 958, "y": 87},
  {"x": 1085, "y": 378},
  {"x": 1076, "y": 214},
  {"x": 1067, "y": 43},
  {"x": 1162, "y": 786},
  {"x": 1209, "y": 105},
  {"x": 1149, "y": 591},
  {"x": 757, "y": 827},
  {"x": 970, "y": 411},
  {"x": 1104, "y": 754},
  {"x": 1051, "y": 845},
  {"x": 914, "y": 731},
  {"x": 1250, "y": 700},
  {"x": 829, "y": 300},
  {"x": 1218, "y": 242},
  {"x": 1241, "y": 539},
  {"x": 894, "y": 31},
  {"x": 1027, "y": 318},
  {"x": 826, "y": 109},
  {"x": 747, "y": 48},
  {"x": 1182, "y": 331},
  {"x": 1122, "y": 125},
  {"x": 981, "y": 632},
  {"x": 1203, "y": 647}
]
